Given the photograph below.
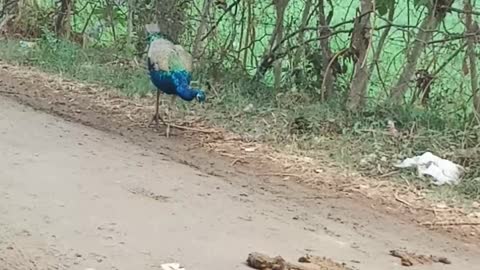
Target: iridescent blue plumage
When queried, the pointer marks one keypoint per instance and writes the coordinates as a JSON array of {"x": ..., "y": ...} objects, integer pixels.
[
  {"x": 175, "y": 82},
  {"x": 169, "y": 67}
]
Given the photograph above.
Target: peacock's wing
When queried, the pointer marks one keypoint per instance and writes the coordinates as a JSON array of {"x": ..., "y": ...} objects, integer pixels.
[
  {"x": 166, "y": 56},
  {"x": 160, "y": 54},
  {"x": 185, "y": 58}
]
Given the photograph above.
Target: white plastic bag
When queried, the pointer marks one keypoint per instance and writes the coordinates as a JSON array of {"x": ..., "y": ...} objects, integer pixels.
[
  {"x": 172, "y": 266},
  {"x": 443, "y": 171}
]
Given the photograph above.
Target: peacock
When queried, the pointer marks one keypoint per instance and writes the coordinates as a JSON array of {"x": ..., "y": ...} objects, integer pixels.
[{"x": 170, "y": 69}]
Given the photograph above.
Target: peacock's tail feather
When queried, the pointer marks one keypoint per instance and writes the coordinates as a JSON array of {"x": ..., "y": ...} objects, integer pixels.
[
  {"x": 184, "y": 57},
  {"x": 174, "y": 83}
]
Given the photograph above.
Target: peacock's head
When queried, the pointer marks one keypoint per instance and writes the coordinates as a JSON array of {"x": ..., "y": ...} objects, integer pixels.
[{"x": 200, "y": 97}]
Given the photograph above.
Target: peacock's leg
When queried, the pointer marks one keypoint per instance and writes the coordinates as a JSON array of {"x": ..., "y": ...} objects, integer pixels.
[
  {"x": 172, "y": 102},
  {"x": 157, "y": 116},
  {"x": 168, "y": 113}
]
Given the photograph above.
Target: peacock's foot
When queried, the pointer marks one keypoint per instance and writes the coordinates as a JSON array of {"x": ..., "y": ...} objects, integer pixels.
[{"x": 155, "y": 121}]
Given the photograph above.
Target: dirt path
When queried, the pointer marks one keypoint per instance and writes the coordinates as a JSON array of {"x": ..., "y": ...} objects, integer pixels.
[{"x": 72, "y": 197}]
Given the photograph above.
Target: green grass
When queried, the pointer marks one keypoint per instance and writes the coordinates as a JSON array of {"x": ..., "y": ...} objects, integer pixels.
[
  {"x": 90, "y": 65},
  {"x": 282, "y": 119}
]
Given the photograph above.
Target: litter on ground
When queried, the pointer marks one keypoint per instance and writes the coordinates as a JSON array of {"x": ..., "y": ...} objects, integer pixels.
[
  {"x": 172, "y": 266},
  {"x": 443, "y": 171}
]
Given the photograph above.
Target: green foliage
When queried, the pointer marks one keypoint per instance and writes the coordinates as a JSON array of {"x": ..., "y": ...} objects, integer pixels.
[
  {"x": 383, "y": 6},
  {"x": 425, "y": 3},
  {"x": 57, "y": 53},
  {"x": 470, "y": 188},
  {"x": 90, "y": 65}
]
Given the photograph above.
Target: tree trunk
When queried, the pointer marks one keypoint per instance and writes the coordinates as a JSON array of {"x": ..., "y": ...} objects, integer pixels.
[
  {"x": 9, "y": 9},
  {"x": 382, "y": 39},
  {"x": 280, "y": 6},
  {"x": 199, "y": 44},
  {"x": 12, "y": 11},
  {"x": 361, "y": 41},
  {"x": 431, "y": 22},
  {"x": 110, "y": 8},
  {"x": 171, "y": 18},
  {"x": 7, "y": 13},
  {"x": 300, "y": 40},
  {"x": 326, "y": 80},
  {"x": 64, "y": 15},
  {"x": 268, "y": 58},
  {"x": 131, "y": 7},
  {"x": 142, "y": 16},
  {"x": 471, "y": 29}
]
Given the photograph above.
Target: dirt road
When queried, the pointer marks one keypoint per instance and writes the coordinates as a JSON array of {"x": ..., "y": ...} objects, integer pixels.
[{"x": 72, "y": 197}]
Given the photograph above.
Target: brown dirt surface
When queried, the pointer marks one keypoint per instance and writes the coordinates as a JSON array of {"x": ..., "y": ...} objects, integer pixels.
[
  {"x": 197, "y": 144},
  {"x": 223, "y": 154}
]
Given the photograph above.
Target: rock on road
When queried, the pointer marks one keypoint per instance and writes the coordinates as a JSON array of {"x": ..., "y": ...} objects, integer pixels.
[{"x": 72, "y": 197}]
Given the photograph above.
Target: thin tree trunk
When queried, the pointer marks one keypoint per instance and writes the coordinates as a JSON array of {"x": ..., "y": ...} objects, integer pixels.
[
  {"x": 280, "y": 6},
  {"x": 382, "y": 39},
  {"x": 21, "y": 4},
  {"x": 327, "y": 71},
  {"x": 110, "y": 10},
  {"x": 300, "y": 40},
  {"x": 250, "y": 33},
  {"x": 381, "y": 42},
  {"x": 62, "y": 22},
  {"x": 171, "y": 17},
  {"x": 268, "y": 57},
  {"x": 10, "y": 8},
  {"x": 242, "y": 29},
  {"x": 361, "y": 39},
  {"x": 11, "y": 13},
  {"x": 131, "y": 7},
  {"x": 430, "y": 23},
  {"x": 199, "y": 44},
  {"x": 471, "y": 29}
]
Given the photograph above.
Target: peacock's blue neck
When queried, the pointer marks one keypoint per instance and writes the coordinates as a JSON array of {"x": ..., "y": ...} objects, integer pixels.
[
  {"x": 186, "y": 93},
  {"x": 151, "y": 37}
]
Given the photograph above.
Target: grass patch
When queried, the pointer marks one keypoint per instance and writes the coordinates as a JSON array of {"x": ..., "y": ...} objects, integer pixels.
[
  {"x": 91, "y": 65},
  {"x": 289, "y": 119}
]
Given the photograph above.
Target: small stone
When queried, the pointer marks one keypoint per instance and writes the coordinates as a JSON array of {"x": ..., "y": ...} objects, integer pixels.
[{"x": 442, "y": 205}]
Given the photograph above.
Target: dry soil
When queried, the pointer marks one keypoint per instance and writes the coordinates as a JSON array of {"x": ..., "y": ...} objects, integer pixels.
[{"x": 77, "y": 197}]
